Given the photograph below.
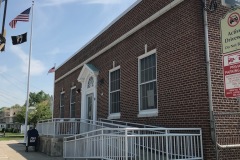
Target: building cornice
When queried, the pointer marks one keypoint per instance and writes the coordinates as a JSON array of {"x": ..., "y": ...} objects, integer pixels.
[{"x": 126, "y": 35}]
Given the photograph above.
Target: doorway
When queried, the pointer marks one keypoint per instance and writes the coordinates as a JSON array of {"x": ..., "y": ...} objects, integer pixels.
[
  {"x": 89, "y": 106},
  {"x": 88, "y": 78}
]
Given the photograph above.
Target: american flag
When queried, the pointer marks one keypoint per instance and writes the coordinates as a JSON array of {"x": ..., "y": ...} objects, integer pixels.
[
  {"x": 23, "y": 17},
  {"x": 51, "y": 70}
]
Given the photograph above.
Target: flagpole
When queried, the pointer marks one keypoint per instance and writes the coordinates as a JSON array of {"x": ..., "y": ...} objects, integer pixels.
[
  {"x": 4, "y": 15},
  {"x": 53, "y": 91},
  {"x": 28, "y": 82}
]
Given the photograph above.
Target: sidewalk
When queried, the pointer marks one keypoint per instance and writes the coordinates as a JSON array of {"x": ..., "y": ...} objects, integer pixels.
[{"x": 13, "y": 150}]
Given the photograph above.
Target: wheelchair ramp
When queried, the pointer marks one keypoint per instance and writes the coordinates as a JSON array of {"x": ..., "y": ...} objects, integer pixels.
[{"x": 135, "y": 144}]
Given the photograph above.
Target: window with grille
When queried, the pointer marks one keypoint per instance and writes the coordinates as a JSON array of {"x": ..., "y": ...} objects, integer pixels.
[
  {"x": 114, "y": 90},
  {"x": 147, "y": 81},
  {"x": 72, "y": 102},
  {"x": 62, "y": 105}
]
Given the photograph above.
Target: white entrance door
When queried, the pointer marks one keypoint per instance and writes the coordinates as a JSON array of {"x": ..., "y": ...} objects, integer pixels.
[
  {"x": 89, "y": 106},
  {"x": 89, "y": 113},
  {"x": 88, "y": 78}
]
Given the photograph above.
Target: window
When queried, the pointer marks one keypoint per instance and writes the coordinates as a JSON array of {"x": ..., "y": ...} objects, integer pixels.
[
  {"x": 90, "y": 82},
  {"x": 114, "y": 92},
  {"x": 62, "y": 105},
  {"x": 147, "y": 83},
  {"x": 72, "y": 102}
]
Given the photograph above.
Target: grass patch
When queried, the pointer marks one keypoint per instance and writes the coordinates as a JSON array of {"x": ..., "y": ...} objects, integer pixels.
[
  {"x": 14, "y": 134},
  {"x": 11, "y": 136}
]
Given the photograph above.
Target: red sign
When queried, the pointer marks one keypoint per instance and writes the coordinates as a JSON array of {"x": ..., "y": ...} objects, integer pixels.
[
  {"x": 231, "y": 72},
  {"x": 233, "y": 19}
]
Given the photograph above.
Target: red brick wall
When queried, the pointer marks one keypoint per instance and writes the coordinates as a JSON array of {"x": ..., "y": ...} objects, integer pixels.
[
  {"x": 145, "y": 9},
  {"x": 178, "y": 37},
  {"x": 220, "y": 103},
  {"x": 65, "y": 85}
]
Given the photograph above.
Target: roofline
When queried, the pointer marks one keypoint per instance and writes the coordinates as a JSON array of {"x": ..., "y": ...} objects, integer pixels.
[
  {"x": 127, "y": 34},
  {"x": 115, "y": 20}
]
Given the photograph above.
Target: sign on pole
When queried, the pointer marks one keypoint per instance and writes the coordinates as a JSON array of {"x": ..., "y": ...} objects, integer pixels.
[
  {"x": 230, "y": 32},
  {"x": 231, "y": 75}
]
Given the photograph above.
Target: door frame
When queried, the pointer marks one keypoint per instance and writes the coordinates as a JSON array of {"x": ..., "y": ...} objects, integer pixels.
[
  {"x": 86, "y": 73},
  {"x": 87, "y": 105}
]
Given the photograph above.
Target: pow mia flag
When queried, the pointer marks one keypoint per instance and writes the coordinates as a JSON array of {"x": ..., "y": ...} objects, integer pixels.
[{"x": 19, "y": 39}]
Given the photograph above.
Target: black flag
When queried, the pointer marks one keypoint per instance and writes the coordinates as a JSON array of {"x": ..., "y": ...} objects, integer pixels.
[{"x": 19, "y": 39}]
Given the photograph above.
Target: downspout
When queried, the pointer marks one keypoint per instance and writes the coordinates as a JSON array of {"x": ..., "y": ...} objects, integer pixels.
[{"x": 212, "y": 124}]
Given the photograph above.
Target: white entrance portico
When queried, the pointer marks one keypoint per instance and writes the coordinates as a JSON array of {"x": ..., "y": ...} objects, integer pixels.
[{"x": 88, "y": 78}]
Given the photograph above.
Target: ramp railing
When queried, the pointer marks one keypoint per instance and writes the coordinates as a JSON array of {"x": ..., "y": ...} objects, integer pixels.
[
  {"x": 59, "y": 127},
  {"x": 129, "y": 124},
  {"x": 71, "y": 126},
  {"x": 136, "y": 144}
]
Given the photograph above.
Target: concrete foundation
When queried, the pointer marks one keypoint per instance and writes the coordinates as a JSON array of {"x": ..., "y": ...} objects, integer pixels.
[{"x": 52, "y": 146}]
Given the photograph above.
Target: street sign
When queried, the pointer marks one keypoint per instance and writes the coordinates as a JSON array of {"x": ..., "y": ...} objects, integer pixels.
[
  {"x": 231, "y": 75},
  {"x": 230, "y": 32}
]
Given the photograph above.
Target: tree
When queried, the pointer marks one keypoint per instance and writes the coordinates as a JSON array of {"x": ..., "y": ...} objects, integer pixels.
[
  {"x": 35, "y": 98},
  {"x": 42, "y": 112},
  {"x": 41, "y": 102},
  {"x": 20, "y": 116},
  {"x": 16, "y": 106}
]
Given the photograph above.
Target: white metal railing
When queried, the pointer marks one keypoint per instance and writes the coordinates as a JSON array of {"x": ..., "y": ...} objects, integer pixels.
[
  {"x": 129, "y": 124},
  {"x": 71, "y": 126},
  {"x": 136, "y": 144},
  {"x": 59, "y": 127}
]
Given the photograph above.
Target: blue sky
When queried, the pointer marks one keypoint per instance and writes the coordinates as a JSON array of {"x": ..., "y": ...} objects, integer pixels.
[{"x": 60, "y": 28}]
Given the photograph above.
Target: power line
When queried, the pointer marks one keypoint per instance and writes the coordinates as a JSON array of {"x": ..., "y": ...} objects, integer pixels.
[
  {"x": 13, "y": 94},
  {"x": 9, "y": 97},
  {"x": 5, "y": 103},
  {"x": 17, "y": 79},
  {"x": 10, "y": 81}
]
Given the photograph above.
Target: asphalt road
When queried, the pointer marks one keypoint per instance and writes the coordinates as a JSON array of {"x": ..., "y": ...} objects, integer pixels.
[{"x": 13, "y": 150}]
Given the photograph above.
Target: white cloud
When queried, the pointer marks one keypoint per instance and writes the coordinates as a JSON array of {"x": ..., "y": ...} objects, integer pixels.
[
  {"x": 61, "y": 2},
  {"x": 37, "y": 67},
  {"x": 3, "y": 69}
]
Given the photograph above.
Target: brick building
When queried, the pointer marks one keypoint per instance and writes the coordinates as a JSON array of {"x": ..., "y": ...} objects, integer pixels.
[
  {"x": 8, "y": 118},
  {"x": 151, "y": 66}
]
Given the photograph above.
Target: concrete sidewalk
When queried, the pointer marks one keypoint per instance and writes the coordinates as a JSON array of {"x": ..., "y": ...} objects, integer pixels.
[{"x": 13, "y": 150}]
